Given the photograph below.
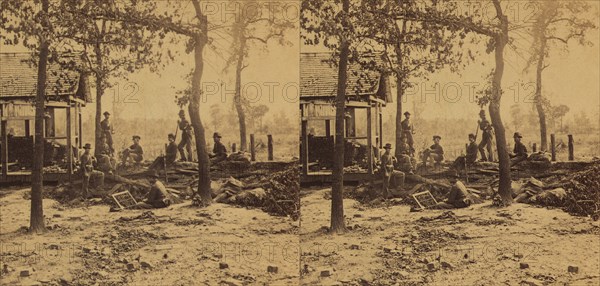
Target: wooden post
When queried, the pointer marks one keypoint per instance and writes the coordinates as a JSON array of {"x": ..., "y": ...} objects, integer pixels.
[
  {"x": 4, "y": 150},
  {"x": 270, "y": 146},
  {"x": 80, "y": 130},
  {"x": 369, "y": 141},
  {"x": 27, "y": 128},
  {"x": 252, "y": 148},
  {"x": 69, "y": 144},
  {"x": 571, "y": 147},
  {"x": 304, "y": 145},
  {"x": 553, "y": 147},
  {"x": 233, "y": 148},
  {"x": 534, "y": 147},
  {"x": 327, "y": 128}
]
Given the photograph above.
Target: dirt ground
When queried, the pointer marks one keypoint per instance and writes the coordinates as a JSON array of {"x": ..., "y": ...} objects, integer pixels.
[
  {"x": 179, "y": 245},
  {"x": 479, "y": 245}
]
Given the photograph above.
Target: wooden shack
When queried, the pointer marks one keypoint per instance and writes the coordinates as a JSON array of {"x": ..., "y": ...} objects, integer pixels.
[
  {"x": 67, "y": 91},
  {"x": 367, "y": 93}
]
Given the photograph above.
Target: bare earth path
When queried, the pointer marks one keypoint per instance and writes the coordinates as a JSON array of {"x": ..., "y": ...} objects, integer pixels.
[
  {"x": 479, "y": 245},
  {"x": 179, "y": 245}
]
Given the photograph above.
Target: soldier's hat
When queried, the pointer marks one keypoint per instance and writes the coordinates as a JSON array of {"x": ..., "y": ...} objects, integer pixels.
[
  {"x": 181, "y": 112},
  {"x": 87, "y": 146},
  {"x": 482, "y": 112},
  {"x": 437, "y": 136},
  {"x": 387, "y": 146},
  {"x": 517, "y": 135},
  {"x": 406, "y": 113},
  {"x": 136, "y": 136},
  {"x": 471, "y": 135},
  {"x": 171, "y": 135},
  {"x": 106, "y": 113},
  {"x": 216, "y": 135}
]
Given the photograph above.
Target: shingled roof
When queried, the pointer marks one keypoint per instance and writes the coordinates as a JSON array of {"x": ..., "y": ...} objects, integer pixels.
[
  {"x": 18, "y": 78},
  {"x": 318, "y": 78}
]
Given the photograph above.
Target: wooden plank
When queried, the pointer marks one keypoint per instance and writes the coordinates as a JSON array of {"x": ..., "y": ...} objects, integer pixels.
[
  {"x": 304, "y": 145},
  {"x": 369, "y": 141},
  {"x": 27, "y": 128},
  {"x": 4, "y": 150},
  {"x": 571, "y": 148},
  {"x": 69, "y": 145},
  {"x": 252, "y": 148},
  {"x": 270, "y": 147},
  {"x": 327, "y": 128}
]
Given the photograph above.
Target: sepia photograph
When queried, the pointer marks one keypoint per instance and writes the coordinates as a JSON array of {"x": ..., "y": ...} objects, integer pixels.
[
  {"x": 450, "y": 142},
  {"x": 149, "y": 142},
  {"x": 299, "y": 142}
]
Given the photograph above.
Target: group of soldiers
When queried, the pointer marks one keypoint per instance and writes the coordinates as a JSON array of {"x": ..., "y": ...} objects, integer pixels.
[
  {"x": 94, "y": 167},
  {"x": 392, "y": 166}
]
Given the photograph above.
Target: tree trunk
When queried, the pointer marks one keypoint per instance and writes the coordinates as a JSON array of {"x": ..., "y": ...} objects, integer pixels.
[
  {"x": 36, "y": 220},
  {"x": 399, "y": 94},
  {"x": 538, "y": 96},
  {"x": 504, "y": 190},
  {"x": 99, "y": 92},
  {"x": 338, "y": 224},
  {"x": 194, "y": 111},
  {"x": 238, "y": 94}
]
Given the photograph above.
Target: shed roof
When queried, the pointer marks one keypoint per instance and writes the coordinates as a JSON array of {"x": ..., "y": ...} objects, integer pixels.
[
  {"x": 318, "y": 78},
  {"x": 18, "y": 78}
]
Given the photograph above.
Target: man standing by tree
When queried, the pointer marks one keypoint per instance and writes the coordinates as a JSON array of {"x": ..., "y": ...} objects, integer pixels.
[
  {"x": 87, "y": 170},
  {"x": 186, "y": 137},
  {"x": 408, "y": 131},
  {"x": 486, "y": 137},
  {"x": 387, "y": 169},
  {"x": 107, "y": 130}
]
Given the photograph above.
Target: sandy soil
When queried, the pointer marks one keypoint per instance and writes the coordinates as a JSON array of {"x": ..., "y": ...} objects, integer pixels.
[
  {"x": 479, "y": 245},
  {"x": 179, "y": 245}
]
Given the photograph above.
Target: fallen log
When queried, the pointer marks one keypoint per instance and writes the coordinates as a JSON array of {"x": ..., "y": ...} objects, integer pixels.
[
  {"x": 119, "y": 179},
  {"x": 420, "y": 179}
]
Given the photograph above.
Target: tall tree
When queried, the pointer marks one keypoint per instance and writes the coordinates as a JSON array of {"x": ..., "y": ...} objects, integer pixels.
[
  {"x": 332, "y": 25},
  {"x": 255, "y": 26},
  {"x": 111, "y": 48},
  {"x": 413, "y": 48},
  {"x": 556, "y": 24},
  {"x": 34, "y": 27}
]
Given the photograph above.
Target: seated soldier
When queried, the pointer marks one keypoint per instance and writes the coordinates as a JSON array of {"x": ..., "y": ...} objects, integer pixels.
[
  {"x": 134, "y": 153},
  {"x": 435, "y": 152},
  {"x": 106, "y": 162},
  {"x": 219, "y": 152},
  {"x": 519, "y": 152},
  {"x": 391, "y": 178},
  {"x": 405, "y": 162},
  {"x": 158, "y": 196},
  {"x": 86, "y": 164},
  {"x": 467, "y": 160},
  {"x": 458, "y": 197},
  {"x": 169, "y": 158}
]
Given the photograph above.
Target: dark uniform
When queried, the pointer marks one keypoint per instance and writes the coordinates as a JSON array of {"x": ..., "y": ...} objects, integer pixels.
[
  {"x": 458, "y": 197},
  {"x": 436, "y": 152},
  {"x": 407, "y": 132},
  {"x": 87, "y": 171},
  {"x": 387, "y": 171},
  {"x": 158, "y": 197},
  {"x": 405, "y": 162},
  {"x": 519, "y": 154},
  {"x": 469, "y": 159},
  {"x": 486, "y": 140},
  {"x": 106, "y": 162},
  {"x": 107, "y": 131},
  {"x": 186, "y": 140},
  {"x": 219, "y": 153},
  {"x": 135, "y": 152},
  {"x": 170, "y": 157}
]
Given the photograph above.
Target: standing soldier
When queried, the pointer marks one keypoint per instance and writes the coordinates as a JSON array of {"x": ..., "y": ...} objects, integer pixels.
[
  {"x": 186, "y": 137},
  {"x": 107, "y": 130},
  {"x": 486, "y": 137},
  {"x": 408, "y": 131},
  {"x": 387, "y": 169}
]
